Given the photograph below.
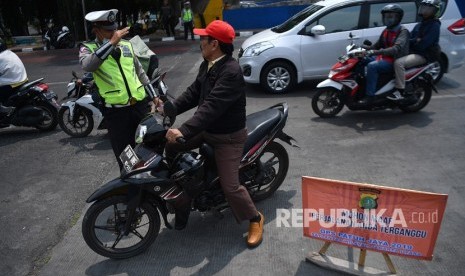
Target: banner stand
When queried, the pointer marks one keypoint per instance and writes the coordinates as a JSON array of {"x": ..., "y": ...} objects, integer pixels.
[{"x": 321, "y": 259}]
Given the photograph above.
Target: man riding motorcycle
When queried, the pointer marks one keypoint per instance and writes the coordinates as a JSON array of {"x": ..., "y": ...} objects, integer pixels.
[
  {"x": 12, "y": 75},
  {"x": 391, "y": 45},
  {"x": 424, "y": 43}
]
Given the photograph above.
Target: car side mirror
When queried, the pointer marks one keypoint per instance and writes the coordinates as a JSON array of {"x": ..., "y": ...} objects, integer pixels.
[{"x": 318, "y": 30}]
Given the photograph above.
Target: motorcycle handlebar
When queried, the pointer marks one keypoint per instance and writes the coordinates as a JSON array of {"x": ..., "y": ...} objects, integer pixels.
[{"x": 181, "y": 140}]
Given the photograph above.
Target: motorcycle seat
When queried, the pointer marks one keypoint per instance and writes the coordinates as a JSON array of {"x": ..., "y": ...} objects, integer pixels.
[
  {"x": 259, "y": 124},
  {"x": 28, "y": 85}
]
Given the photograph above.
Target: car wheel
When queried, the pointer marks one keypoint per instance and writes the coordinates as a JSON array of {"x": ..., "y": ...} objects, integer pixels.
[
  {"x": 278, "y": 77},
  {"x": 438, "y": 70}
]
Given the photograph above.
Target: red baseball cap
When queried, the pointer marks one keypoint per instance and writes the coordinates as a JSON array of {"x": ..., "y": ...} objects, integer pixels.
[{"x": 219, "y": 30}]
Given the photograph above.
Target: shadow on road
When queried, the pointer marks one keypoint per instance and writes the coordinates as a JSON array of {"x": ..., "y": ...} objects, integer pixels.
[
  {"x": 206, "y": 246},
  {"x": 99, "y": 142},
  {"x": 14, "y": 135},
  {"x": 362, "y": 121}
]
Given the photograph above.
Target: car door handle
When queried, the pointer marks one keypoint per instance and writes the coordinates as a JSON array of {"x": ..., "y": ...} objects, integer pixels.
[{"x": 351, "y": 36}]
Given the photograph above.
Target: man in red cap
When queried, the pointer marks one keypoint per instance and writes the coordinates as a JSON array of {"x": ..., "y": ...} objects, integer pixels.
[{"x": 218, "y": 92}]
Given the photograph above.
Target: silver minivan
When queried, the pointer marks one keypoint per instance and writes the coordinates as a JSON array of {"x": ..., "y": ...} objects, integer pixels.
[{"x": 305, "y": 46}]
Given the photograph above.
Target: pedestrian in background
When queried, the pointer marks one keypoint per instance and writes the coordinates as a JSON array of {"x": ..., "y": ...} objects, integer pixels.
[
  {"x": 187, "y": 17},
  {"x": 167, "y": 14}
]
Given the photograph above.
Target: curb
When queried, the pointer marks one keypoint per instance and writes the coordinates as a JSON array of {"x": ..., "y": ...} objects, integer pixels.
[
  {"x": 27, "y": 49},
  {"x": 146, "y": 40}
]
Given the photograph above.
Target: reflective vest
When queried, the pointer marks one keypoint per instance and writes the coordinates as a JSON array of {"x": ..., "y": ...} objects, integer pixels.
[
  {"x": 187, "y": 15},
  {"x": 389, "y": 38},
  {"x": 117, "y": 80}
]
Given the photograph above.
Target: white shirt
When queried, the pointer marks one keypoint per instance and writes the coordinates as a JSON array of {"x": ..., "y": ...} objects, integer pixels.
[
  {"x": 12, "y": 71},
  {"x": 211, "y": 63}
]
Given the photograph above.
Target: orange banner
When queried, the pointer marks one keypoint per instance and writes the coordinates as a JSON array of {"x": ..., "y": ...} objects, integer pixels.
[{"x": 384, "y": 219}]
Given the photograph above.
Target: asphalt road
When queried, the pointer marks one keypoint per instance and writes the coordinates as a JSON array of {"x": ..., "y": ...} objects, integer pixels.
[{"x": 46, "y": 178}]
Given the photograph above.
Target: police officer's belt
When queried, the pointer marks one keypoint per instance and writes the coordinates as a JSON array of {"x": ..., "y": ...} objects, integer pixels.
[{"x": 131, "y": 101}]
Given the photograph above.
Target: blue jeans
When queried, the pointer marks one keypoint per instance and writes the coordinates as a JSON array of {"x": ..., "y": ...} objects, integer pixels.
[{"x": 375, "y": 68}]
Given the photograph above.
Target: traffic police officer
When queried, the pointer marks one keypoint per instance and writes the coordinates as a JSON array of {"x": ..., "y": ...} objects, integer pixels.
[{"x": 119, "y": 77}]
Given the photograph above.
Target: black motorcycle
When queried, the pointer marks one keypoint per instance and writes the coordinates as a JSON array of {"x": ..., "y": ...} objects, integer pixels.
[
  {"x": 124, "y": 219},
  {"x": 33, "y": 105},
  {"x": 58, "y": 38}
]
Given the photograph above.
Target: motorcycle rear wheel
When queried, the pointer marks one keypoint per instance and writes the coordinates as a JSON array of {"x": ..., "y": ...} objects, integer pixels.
[
  {"x": 50, "y": 121},
  {"x": 273, "y": 167},
  {"x": 69, "y": 41},
  {"x": 80, "y": 126},
  {"x": 103, "y": 228},
  {"x": 327, "y": 102},
  {"x": 422, "y": 92}
]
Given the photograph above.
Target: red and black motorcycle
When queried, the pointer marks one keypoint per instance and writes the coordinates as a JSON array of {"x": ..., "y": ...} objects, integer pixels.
[{"x": 346, "y": 86}]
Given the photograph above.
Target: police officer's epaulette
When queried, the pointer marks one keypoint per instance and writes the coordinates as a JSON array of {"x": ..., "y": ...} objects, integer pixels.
[{"x": 86, "y": 42}]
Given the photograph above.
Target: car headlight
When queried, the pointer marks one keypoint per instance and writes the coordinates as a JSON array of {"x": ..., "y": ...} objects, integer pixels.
[{"x": 257, "y": 49}]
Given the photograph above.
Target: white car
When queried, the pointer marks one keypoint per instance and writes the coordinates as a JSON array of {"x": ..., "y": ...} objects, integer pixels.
[{"x": 308, "y": 44}]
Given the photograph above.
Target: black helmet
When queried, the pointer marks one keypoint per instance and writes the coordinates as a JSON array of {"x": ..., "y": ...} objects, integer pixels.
[
  {"x": 2, "y": 45},
  {"x": 394, "y": 9},
  {"x": 429, "y": 8}
]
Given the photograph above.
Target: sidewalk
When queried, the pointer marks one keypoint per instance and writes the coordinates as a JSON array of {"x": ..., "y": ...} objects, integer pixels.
[{"x": 156, "y": 36}]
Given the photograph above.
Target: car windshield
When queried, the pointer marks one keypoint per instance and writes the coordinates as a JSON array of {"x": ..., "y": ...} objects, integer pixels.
[{"x": 296, "y": 19}]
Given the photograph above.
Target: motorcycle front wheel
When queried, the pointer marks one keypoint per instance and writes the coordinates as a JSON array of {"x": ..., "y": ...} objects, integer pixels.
[
  {"x": 79, "y": 125},
  {"x": 50, "y": 120},
  {"x": 268, "y": 171},
  {"x": 104, "y": 223},
  {"x": 327, "y": 102}
]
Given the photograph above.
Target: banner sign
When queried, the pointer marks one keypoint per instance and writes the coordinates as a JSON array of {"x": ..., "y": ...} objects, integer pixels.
[{"x": 384, "y": 219}]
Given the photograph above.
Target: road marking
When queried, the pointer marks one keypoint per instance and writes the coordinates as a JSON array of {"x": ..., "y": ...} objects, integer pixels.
[
  {"x": 196, "y": 66},
  {"x": 448, "y": 96}
]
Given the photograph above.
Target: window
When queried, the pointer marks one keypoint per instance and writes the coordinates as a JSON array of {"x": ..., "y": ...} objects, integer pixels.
[
  {"x": 410, "y": 13},
  {"x": 333, "y": 23},
  {"x": 296, "y": 19}
]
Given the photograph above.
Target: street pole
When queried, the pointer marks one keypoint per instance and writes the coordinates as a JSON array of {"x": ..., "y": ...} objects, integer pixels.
[{"x": 84, "y": 15}]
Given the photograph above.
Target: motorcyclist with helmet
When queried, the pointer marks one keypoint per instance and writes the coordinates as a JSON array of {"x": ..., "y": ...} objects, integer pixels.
[
  {"x": 424, "y": 44},
  {"x": 12, "y": 75},
  {"x": 391, "y": 45}
]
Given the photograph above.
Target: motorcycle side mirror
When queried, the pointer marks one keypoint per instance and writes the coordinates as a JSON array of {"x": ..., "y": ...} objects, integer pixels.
[
  {"x": 367, "y": 42},
  {"x": 74, "y": 74}
]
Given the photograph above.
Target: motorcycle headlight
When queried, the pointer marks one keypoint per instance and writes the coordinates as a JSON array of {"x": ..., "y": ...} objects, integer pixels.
[
  {"x": 257, "y": 49},
  {"x": 140, "y": 133},
  {"x": 71, "y": 87}
]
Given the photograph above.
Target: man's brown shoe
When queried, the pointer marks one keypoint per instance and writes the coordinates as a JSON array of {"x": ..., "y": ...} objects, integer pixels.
[{"x": 255, "y": 236}]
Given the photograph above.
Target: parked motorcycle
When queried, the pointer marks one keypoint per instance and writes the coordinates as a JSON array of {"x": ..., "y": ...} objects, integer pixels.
[
  {"x": 124, "y": 219},
  {"x": 33, "y": 105},
  {"x": 346, "y": 86},
  {"x": 79, "y": 116},
  {"x": 58, "y": 38}
]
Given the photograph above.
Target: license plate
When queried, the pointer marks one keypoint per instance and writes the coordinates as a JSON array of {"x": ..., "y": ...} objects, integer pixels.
[{"x": 129, "y": 158}]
